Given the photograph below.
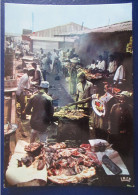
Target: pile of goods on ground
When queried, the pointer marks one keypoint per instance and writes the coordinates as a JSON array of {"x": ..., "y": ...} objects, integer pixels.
[
  {"x": 113, "y": 90},
  {"x": 90, "y": 76},
  {"x": 70, "y": 114},
  {"x": 64, "y": 165}
]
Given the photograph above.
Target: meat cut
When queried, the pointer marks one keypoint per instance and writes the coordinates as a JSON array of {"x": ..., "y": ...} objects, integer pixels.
[
  {"x": 71, "y": 165},
  {"x": 65, "y": 165}
]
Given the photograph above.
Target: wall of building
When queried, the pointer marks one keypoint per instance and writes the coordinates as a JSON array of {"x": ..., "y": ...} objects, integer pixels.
[
  {"x": 50, "y": 45},
  {"x": 45, "y": 45},
  {"x": 66, "y": 45}
]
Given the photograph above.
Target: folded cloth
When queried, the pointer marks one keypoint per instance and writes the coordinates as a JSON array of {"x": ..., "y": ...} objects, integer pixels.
[{"x": 119, "y": 74}]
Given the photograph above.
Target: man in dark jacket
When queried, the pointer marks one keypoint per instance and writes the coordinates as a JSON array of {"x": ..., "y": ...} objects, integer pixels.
[{"x": 41, "y": 109}]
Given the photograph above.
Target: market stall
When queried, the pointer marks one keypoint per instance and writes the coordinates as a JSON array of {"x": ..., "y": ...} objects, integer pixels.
[{"x": 72, "y": 125}]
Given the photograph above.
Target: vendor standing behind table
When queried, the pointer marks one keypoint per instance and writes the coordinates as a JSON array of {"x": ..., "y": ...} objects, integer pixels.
[
  {"x": 101, "y": 64},
  {"x": 119, "y": 75},
  {"x": 112, "y": 65},
  {"x": 38, "y": 77},
  {"x": 92, "y": 66},
  {"x": 42, "y": 113},
  {"x": 23, "y": 85},
  {"x": 84, "y": 90}
]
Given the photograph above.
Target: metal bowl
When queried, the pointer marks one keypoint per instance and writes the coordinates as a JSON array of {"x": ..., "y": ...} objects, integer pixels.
[{"x": 10, "y": 131}]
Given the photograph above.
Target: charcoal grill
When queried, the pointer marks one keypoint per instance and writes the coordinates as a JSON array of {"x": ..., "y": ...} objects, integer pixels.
[{"x": 77, "y": 129}]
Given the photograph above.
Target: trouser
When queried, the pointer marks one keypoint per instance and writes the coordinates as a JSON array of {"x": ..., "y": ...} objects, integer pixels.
[
  {"x": 44, "y": 74},
  {"x": 21, "y": 100},
  {"x": 37, "y": 134},
  {"x": 121, "y": 142}
]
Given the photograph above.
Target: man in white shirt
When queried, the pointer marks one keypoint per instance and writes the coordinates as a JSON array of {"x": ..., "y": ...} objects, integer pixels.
[
  {"x": 24, "y": 84},
  {"x": 119, "y": 75},
  {"x": 101, "y": 64},
  {"x": 93, "y": 65},
  {"x": 112, "y": 65}
]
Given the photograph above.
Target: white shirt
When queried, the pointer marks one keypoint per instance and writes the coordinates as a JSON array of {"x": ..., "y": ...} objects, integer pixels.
[
  {"x": 54, "y": 55},
  {"x": 44, "y": 63},
  {"x": 119, "y": 74},
  {"x": 101, "y": 65},
  {"x": 23, "y": 83},
  {"x": 112, "y": 67},
  {"x": 92, "y": 66},
  {"x": 26, "y": 47},
  {"x": 61, "y": 55},
  {"x": 84, "y": 93}
]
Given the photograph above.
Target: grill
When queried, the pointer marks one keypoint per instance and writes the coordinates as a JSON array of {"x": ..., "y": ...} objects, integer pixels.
[{"x": 73, "y": 129}]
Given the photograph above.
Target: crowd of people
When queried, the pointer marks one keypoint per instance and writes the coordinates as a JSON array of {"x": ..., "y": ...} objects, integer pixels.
[{"x": 67, "y": 64}]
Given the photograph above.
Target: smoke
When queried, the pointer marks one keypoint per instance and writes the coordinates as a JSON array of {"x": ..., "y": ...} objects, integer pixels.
[{"x": 94, "y": 44}]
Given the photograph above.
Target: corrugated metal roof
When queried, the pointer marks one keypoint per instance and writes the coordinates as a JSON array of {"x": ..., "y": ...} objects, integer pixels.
[
  {"x": 50, "y": 32},
  {"x": 118, "y": 27},
  {"x": 124, "y": 26}
]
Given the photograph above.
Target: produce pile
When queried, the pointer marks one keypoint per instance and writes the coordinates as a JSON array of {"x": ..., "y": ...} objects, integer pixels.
[
  {"x": 113, "y": 90},
  {"x": 64, "y": 165},
  {"x": 90, "y": 76},
  {"x": 70, "y": 114}
]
